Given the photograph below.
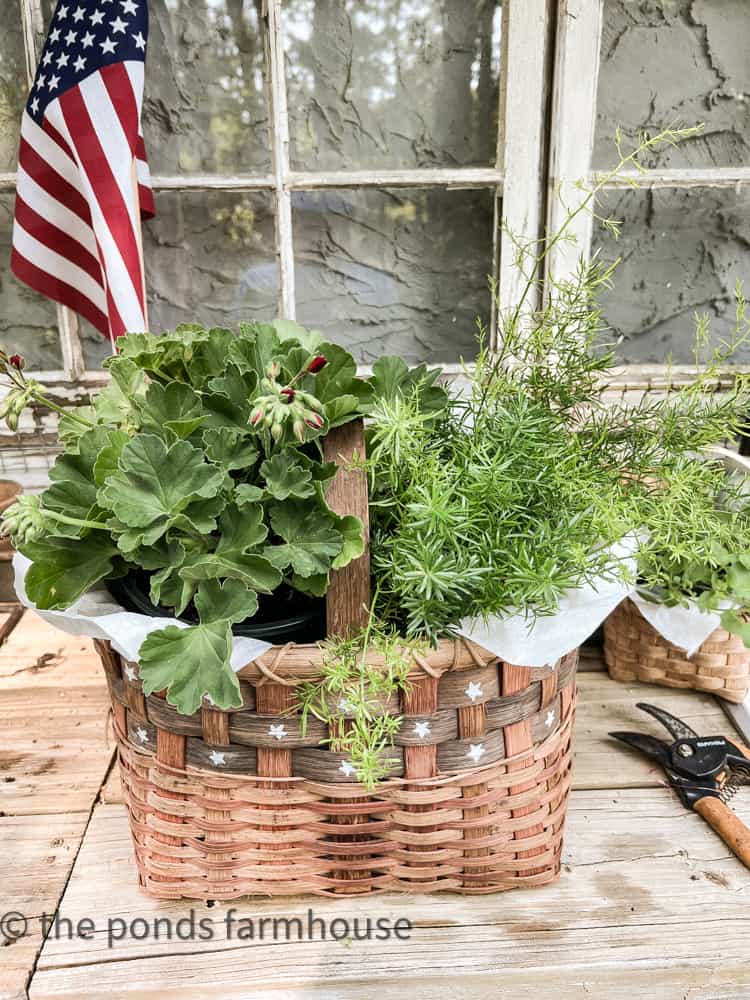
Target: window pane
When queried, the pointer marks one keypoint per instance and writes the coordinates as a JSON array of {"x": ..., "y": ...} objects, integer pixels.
[
  {"x": 682, "y": 251},
  {"x": 392, "y": 83},
  {"x": 13, "y": 86},
  {"x": 28, "y": 322},
  {"x": 204, "y": 109},
  {"x": 398, "y": 272},
  {"x": 683, "y": 61},
  {"x": 209, "y": 259}
]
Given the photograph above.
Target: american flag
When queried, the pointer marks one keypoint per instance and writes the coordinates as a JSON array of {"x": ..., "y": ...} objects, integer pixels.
[{"x": 82, "y": 173}]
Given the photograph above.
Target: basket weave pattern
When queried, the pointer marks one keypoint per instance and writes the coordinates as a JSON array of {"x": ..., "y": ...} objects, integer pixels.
[
  {"x": 634, "y": 651},
  {"x": 228, "y": 804}
]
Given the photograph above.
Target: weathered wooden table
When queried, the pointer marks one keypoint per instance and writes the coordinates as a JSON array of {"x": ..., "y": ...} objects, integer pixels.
[{"x": 650, "y": 902}]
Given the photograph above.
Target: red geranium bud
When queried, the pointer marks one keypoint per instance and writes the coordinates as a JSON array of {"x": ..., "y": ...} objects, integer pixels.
[
  {"x": 316, "y": 364},
  {"x": 17, "y": 361},
  {"x": 315, "y": 421},
  {"x": 256, "y": 416},
  {"x": 288, "y": 394}
]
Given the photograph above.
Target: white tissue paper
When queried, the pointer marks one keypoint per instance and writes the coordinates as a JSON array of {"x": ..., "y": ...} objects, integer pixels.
[
  {"x": 98, "y": 616},
  {"x": 687, "y": 628},
  {"x": 541, "y": 641}
]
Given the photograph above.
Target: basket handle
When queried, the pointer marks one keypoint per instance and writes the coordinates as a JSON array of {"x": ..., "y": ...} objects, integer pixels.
[{"x": 348, "y": 596}]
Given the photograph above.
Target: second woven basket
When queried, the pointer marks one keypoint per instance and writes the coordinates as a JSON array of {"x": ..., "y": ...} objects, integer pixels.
[{"x": 635, "y": 651}]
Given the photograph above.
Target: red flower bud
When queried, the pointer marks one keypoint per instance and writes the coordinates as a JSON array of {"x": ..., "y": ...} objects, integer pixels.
[
  {"x": 315, "y": 421},
  {"x": 316, "y": 364},
  {"x": 17, "y": 361},
  {"x": 256, "y": 416},
  {"x": 287, "y": 395}
]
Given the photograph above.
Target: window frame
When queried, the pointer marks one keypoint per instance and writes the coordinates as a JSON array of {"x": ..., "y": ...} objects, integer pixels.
[{"x": 516, "y": 179}]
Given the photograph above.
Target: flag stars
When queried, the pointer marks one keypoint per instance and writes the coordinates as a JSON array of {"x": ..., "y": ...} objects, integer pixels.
[
  {"x": 140, "y": 41},
  {"x": 108, "y": 46},
  {"x": 54, "y": 82},
  {"x": 47, "y": 58},
  {"x": 88, "y": 40},
  {"x": 129, "y": 7},
  {"x": 54, "y": 35},
  {"x": 35, "y": 105},
  {"x": 78, "y": 14},
  {"x": 40, "y": 81},
  {"x": 71, "y": 37},
  {"x": 62, "y": 60},
  {"x": 79, "y": 65},
  {"x": 97, "y": 17},
  {"x": 62, "y": 12},
  {"x": 118, "y": 25}
]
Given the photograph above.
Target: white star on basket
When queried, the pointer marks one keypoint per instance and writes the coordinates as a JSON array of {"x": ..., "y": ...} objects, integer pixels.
[
  {"x": 476, "y": 752},
  {"x": 207, "y": 698},
  {"x": 130, "y": 673},
  {"x": 278, "y": 732},
  {"x": 473, "y": 691},
  {"x": 347, "y": 768},
  {"x": 422, "y": 729},
  {"x": 141, "y": 734},
  {"x": 549, "y": 718},
  {"x": 217, "y": 758}
]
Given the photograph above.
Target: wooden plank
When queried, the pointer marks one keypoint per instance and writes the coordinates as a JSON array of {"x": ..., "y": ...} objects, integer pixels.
[
  {"x": 682, "y": 177},
  {"x": 8, "y": 621},
  {"x": 639, "y": 870},
  {"x": 34, "y": 869},
  {"x": 605, "y": 705},
  {"x": 36, "y": 653}
]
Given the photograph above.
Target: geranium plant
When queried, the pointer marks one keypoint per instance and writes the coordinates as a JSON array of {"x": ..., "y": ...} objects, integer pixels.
[{"x": 201, "y": 465}]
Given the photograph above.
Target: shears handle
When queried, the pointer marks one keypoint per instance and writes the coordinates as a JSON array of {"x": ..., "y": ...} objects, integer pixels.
[{"x": 727, "y": 824}]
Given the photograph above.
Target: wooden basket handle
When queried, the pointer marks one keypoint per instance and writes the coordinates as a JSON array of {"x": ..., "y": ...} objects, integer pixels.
[{"x": 348, "y": 596}]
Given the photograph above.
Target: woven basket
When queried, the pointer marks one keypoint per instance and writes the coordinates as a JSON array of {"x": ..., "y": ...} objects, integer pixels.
[
  {"x": 228, "y": 804},
  {"x": 634, "y": 651}
]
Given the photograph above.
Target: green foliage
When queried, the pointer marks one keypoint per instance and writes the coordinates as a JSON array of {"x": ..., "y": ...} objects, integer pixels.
[
  {"x": 200, "y": 464},
  {"x": 698, "y": 545},
  {"x": 360, "y": 673}
]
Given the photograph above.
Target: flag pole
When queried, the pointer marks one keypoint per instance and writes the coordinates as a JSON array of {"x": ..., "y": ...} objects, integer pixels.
[{"x": 139, "y": 236}]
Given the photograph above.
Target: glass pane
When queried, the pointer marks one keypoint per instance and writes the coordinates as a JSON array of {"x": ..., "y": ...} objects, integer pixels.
[
  {"x": 13, "y": 86},
  {"x": 396, "y": 271},
  {"x": 681, "y": 61},
  {"x": 28, "y": 322},
  {"x": 209, "y": 259},
  {"x": 205, "y": 107},
  {"x": 392, "y": 83},
  {"x": 681, "y": 251}
]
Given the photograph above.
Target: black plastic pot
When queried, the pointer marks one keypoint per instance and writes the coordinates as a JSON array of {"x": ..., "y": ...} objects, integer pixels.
[{"x": 284, "y": 616}]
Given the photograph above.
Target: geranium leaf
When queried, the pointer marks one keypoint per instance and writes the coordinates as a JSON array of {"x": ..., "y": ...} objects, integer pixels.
[
  {"x": 315, "y": 586},
  {"x": 311, "y": 543},
  {"x": 69, "y": 430},
  {"x": 190, "y": 663},
  {"x": 65, "y": 568},
  {"x": 200, "y": 515},
  {"x": 287, "y": 329},
  {"x": 229, "y": 447},
  {"x": 339, "y": 378},
  {"x": 73, "y": 488},
  {"x": 341, "y": 409},
  {"x": 353, "y": 533},
  {"x": 175, "y": 406},
  {"x": 228, "y": 399},
  {"x": 241, "y": 532},
  {"x": 391, "y": 377},
  {"x": 231, "y": 601},
  {"x": 107, "y": 459},
  {"x": 154, "y": 482},
  {"x": 284, "y": 478},
  {"x": 247, "y": 493}
]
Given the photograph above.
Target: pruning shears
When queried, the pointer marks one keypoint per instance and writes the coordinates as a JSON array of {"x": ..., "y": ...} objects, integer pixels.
[{"x": 705, "y": 771}]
